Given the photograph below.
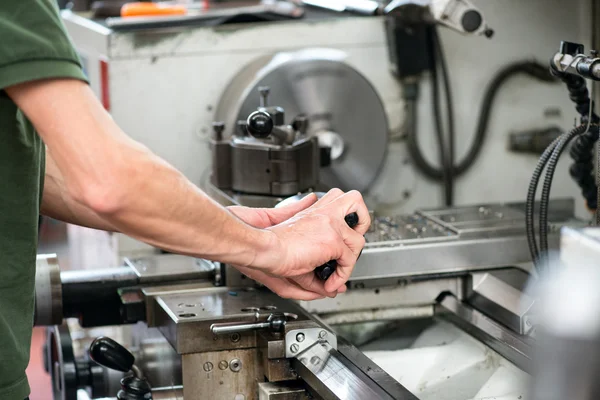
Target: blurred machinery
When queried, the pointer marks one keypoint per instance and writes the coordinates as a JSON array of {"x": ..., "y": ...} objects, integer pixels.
[{"x": 438, "y": 306}]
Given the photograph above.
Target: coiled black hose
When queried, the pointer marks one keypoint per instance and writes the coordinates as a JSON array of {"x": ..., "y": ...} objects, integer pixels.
[
  {"x": 530, "y": 68},
  {"x": 552, "y": 162},
  {"x": 582, "y": 151},
  {"x": 530, "y": 202}
]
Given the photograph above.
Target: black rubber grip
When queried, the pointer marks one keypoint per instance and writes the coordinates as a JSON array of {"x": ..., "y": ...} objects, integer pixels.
[{"x": 326, "y": 270}]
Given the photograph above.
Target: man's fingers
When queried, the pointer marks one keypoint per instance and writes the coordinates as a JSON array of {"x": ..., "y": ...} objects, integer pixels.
[
  {"x": 278, "y": 215},
  {"x": 329, "y": 197},
  {"x": 352, "y": 202},
  {"x": 354, "y": 240},
  {"x": 311, "y": 283},
  {"x": 345, "y": 265},
  {"x": 282, "y": 286}
]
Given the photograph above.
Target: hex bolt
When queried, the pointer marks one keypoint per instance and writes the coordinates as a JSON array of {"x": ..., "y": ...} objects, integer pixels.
[
  {"x": 218, "y": 128},
  {"x": 264, "y": 95},
  {"x": 322, "y": 334},
  {"x": 294, "y": 348},
  {"x": 223, "y": 365},
  {"x": 300, "y": 337},
  {"x": 235, "y": 365},
  {"x": 208, "y": 366}
]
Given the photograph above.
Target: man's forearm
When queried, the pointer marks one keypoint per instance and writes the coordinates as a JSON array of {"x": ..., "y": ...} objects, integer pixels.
[
  {"x": 124, "y": 184},
  {"x": 57, "y": 203}
]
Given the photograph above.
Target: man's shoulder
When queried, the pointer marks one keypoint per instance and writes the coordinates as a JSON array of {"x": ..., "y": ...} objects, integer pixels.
[{"x": 35, "y": 44}]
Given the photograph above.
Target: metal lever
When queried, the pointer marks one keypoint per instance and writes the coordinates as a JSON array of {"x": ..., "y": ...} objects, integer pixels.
[
  {"x": 276, "y": 322},
  {"x": 112, "y": 355},
  {"x": 326, "y": 270}
]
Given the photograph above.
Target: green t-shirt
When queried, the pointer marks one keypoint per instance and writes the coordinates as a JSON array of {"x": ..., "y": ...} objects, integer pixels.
[{"x": 33, "y": 45}]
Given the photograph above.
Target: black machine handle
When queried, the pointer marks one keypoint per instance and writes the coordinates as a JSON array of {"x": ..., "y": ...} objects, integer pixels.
[
  {"x": 326, "y": 270},
  {"x": 111, "y": 354}
]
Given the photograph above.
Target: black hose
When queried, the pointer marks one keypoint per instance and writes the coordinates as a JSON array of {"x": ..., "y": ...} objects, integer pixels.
[
  {"x": 532, "y": 69},
  {"x": 441, "y": 59},
  {"x": 530, "y": 202},
  {"x": 552, "y": 162},
  {"x": 446, "y": 167},
  {"x": 582, "y": 151}
]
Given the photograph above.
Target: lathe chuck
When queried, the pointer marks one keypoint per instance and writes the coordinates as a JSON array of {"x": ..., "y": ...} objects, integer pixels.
[{"x": 344, "y": 110}]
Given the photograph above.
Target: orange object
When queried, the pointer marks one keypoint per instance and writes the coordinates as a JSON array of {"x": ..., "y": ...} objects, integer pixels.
[{"x": 140, "y": 9}]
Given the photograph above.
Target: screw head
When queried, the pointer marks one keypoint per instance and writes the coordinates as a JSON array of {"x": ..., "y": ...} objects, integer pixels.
[
  {"x": 235, "y": 337},
  {"x": 223, "y": 365},
  {"x": 235, "y": 365},
  {"x": 208, "y": 366},
  {"x": 315, "y": 360},
  {"x": 294, "y": 348},
  {"x": 322, "y": 334},
  {"x": 300, "y": 337}
]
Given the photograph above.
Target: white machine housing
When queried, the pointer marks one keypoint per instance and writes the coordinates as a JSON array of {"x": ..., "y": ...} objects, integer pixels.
[{"x": 163, "y": 88}]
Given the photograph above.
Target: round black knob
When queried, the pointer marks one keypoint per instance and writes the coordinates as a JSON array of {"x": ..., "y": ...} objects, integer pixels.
[
  {"x": 111, "y": 354},
  {"x": 260, "y": 124},
  {"x": 471, "y": 21}
]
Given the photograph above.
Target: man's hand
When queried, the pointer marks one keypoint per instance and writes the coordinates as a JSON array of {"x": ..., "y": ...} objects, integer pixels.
[
  {"x": 308, "y": 234},
  {"x": 265, "y": 218}
]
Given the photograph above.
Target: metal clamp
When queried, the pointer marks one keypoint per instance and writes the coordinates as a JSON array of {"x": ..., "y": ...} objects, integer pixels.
[
  {"x": 275, "y": 322},
  {"x": 298, "y": 341}
]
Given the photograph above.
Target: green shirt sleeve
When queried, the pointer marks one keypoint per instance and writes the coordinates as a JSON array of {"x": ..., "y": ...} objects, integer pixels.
[{"x": 34, "y": 43}]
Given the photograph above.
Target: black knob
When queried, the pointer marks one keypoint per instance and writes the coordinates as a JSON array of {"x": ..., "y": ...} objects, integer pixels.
[
  {"x": 326, "y": 270},
  {"x": 277, "y": 322},
  {"x": 111, "y": 354},
  {"x": 260, "y": 124},
  {"x": 471, "y": 21}
]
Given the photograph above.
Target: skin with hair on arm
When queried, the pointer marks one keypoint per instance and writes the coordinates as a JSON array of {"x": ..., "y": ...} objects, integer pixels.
[{"x": 99, "y": 177}]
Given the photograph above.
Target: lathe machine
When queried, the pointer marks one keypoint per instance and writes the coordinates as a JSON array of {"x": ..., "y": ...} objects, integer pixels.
[{"x": 439, "y": 305}]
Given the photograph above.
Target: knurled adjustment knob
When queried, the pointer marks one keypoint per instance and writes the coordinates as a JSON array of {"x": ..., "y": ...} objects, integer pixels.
[{"x": 259, "y": 124}]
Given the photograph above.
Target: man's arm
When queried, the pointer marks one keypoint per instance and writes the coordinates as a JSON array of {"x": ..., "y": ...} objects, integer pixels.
[
  {"x": 58, "y": 203},
  {"x": 124, "y": 183},
  {"x": 142, "y": 196}
]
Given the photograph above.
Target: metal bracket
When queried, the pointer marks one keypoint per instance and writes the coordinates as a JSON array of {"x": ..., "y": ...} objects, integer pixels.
[{"x": 298, "y": 341}]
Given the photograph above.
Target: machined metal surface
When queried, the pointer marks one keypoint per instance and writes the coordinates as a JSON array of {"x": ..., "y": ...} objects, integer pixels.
[
  {"x": 516, "y": 348},
  {"x": 221, "y": 375},
  {"x": 170, "y": 267},
  {"x": 342, "y": 107},
  {"x": 48, "y": 291},
  {"x": 282, "y": 391},
  {"x": 185, "y": 319},
  {"x": 333, "y": 377},
  {"x": 168, "y": 393},
  {"x": 500, "y": 295},
  {"x": 391, "y": 295}
]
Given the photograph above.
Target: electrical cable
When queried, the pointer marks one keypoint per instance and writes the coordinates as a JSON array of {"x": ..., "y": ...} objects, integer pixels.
[
  {"x": 532, "y": 69},
  {"x": 439, "y": 130},
  {"x": 441, "y": 61},
  {"x": 530, "y": 202},
  {"x": 552, "y": 162}
]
